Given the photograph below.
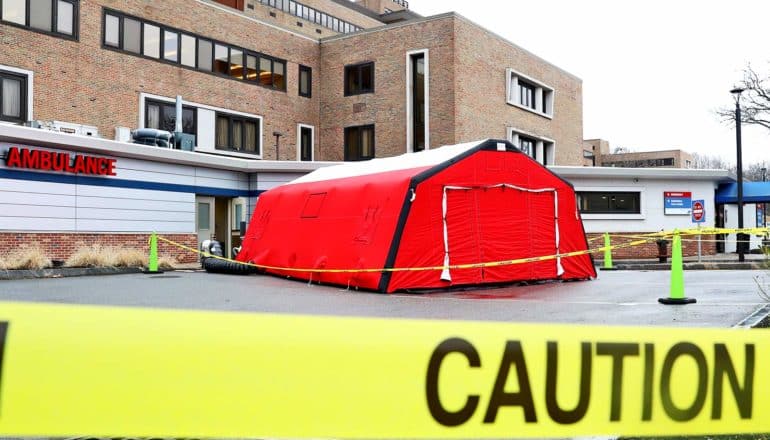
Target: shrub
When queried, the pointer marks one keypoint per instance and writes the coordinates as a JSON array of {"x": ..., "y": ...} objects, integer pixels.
[{"x": 26, "y": 257}]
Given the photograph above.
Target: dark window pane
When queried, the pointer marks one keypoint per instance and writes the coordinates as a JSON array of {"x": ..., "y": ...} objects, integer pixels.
[
  {"x": 351, "y": 80},
  {"x": 111, "y": 30},
  {"x": 306, "y": 143},
  {"x": 265, "y": 72},
  {"x": 304, "y": 81},
  {"x": 151, "y": 40},
  {"x": 237, "y": 139},
  {"x": 352, "y": 143},
  {"x": 220, "y": 59},
  {"x": 188, "y": 50},
  {"x": 609, "y": 202},
  {"x": 278, "y": 75},
  {"x": 170, "y": 46},
  {"x": 204, "y": 55},
  {"x": 250, "y": 136},
  {"x": 251, "y": 68},
  {"x": 41, "y": 14},
  {"x": 222, "y": 132},
  {"x": 236, "y": 63},
  {"x": 15, "y": 11},
  {"x": 65, "y": 17},
  {"x": 12, "y": 97},
  {"x": 131, "y": 35},
  {"x": 188, "y": 120}
]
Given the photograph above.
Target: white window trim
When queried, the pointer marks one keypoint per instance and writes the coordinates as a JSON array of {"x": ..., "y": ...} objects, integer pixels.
[
  {"x": 409, "y": 110},
  {"x": 512, "y": 134},
  {"x": 312, "y": 141},
  {"x": 30, "y": 80},
  {"x": 512, "y": 93},
  {"x": 144, "y": 96},
  {"x": 635, "y": 189}
]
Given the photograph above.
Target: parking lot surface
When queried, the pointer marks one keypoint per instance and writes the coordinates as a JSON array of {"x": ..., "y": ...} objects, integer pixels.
[{"x": 725, "y": 298}]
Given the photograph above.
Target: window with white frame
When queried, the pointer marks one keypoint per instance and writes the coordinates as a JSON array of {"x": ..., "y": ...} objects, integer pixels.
[
  {"x": 539, "y": 148},
  {"x": 529, "y": 94},
  {"x": 15, "y": 95}
]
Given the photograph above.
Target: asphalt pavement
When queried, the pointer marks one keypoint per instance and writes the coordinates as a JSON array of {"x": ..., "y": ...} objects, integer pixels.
[{"x": 725, "y": 298}]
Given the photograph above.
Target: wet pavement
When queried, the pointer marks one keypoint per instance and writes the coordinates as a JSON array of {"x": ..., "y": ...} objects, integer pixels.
[{"x": 725, "y": 298}]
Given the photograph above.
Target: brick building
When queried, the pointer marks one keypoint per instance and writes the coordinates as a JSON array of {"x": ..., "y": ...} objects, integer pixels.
[
  {"x": 335, "y": 79},
  {"x": 596, "y": 152}
]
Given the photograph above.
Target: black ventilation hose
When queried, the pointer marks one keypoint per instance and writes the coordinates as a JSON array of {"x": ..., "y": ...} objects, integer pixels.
[{"x": 215, "y": 265}]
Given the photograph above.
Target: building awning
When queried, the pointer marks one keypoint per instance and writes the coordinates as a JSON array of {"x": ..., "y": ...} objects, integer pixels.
[{"x": 753, "y": 192}]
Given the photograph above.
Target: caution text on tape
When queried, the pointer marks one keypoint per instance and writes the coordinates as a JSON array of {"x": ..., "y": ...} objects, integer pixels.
[{"x": 77, "y": 370}]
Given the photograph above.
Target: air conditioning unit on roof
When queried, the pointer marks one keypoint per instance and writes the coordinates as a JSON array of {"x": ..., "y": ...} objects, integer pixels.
[{"x": 69, "y": 127}]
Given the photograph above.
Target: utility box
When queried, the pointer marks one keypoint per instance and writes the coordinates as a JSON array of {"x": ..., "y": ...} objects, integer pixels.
[{"x": 184, "y": 141}]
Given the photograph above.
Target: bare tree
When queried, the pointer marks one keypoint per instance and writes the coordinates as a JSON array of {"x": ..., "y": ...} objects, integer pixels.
[
  {"x": 709, "y": 162},
  {"x": 755, "y": 101},
  {"x": 754, "y": 171}
]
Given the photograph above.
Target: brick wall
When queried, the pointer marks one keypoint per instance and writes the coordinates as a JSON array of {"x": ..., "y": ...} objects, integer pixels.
[
  {"x": 386, "y": 107},
  {"x": 80, "y": 82},
  {"x": 649, "y": 250},
  {"x": 481, "y": 59},
  {"x": 59, "y": 246}
]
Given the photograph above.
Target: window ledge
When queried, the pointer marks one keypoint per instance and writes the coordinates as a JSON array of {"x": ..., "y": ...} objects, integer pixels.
[
  {"x": 605, "y": 216},
  {"x": 523, "y": 107},
  {"x": 229, "y": 153}
]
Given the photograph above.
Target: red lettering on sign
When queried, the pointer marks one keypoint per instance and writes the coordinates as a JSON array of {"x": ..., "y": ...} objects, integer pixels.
[
  {"x": 59, "y": 161},
  {"x": 30, "y": 158},
  {"x": 80, "y": 166},
  {"x": 12, "y": 159},
  {"x": 45, "y": 160}
]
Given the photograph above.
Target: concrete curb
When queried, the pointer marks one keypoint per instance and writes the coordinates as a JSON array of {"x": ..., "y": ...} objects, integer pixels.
[
  {"x": 66, "y": 272},
  {"x": 694, "y": 266}
]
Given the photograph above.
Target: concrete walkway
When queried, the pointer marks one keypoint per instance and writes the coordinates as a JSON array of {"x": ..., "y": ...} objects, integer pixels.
[{"x": 725, "y": 298}]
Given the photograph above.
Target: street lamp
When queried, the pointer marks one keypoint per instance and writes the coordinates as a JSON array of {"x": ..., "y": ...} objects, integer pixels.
[
  {"x": 740, "y": 236},
  {"x": 764, "y": 205}
]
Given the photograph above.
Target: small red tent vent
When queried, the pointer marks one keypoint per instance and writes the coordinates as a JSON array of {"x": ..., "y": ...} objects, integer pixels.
[{"x": 479, "y": 202}]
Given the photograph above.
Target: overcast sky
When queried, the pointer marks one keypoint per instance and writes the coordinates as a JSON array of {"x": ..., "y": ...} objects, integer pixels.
[{"x": 653, "y": 71}]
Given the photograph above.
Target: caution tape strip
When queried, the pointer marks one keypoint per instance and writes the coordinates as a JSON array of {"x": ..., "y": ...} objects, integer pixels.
[
  {"x": 643, "y": 239},
  {"x": 130, "y": 372}
]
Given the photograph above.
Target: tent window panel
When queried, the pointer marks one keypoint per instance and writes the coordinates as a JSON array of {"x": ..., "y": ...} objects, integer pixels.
[{"x": 313, "y": 205}]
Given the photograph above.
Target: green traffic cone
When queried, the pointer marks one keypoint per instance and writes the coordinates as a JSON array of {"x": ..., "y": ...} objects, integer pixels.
[
  {"x": 676, "y": 294},
  {"x": 152, "y": 260},
  {"x": 607, "y": 253}
]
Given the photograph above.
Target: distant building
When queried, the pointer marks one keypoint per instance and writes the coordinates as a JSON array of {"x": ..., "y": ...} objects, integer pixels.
[{"x": 596, "y": 152}]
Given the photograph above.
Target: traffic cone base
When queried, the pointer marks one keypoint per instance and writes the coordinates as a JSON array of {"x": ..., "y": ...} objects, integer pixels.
[{"x": 676, "y": 301}]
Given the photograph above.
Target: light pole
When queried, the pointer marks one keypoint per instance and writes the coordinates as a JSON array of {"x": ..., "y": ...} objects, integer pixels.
[
  {"x": 740, "y": 236},
  {"x": 764, "y": 205}
]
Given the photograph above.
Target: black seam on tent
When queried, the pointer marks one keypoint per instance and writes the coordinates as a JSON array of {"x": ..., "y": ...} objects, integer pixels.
[{"x": 406, "y": 207}]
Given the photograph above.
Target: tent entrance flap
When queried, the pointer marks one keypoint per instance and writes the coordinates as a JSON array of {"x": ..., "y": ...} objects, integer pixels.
[{"x": 496, "y": 223}]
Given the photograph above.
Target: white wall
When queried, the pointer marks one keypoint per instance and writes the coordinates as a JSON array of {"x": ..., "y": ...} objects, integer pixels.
[
  {"x": 749, "y": 221},
  {"x": 651, "y": 218},
  {"x": 29, "y": 205}
]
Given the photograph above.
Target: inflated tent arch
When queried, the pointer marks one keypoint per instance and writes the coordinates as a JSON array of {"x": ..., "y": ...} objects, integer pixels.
[{"x": 453, "y": 206}]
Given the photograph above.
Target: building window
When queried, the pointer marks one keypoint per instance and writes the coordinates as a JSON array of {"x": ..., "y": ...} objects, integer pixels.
[
  {"x": 13, "y": 97},
  {"x": 542, "y": 150},
  {"x": 359, "y": 78},
  {"x": 311, "y": 14},
  {"x": 162, "y": 116},
  {"x": 55, "y": 17},
  {"x": 238, "y": 133},
  {"x": 528, "y": 94},
  {"x": 163, "y": 43},
  {"x": 417, "y": 71},
  {"x": 305, "y": 81},
  {"x": 305, "y": 142},
  {"x": 359, "y": 143},
  {"x": 596, "y": 202}
]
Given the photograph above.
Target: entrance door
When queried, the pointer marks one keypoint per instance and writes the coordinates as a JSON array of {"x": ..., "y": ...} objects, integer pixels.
[
  {"x": 204, "y": 219},
  {"x": 498, "y": 224}
]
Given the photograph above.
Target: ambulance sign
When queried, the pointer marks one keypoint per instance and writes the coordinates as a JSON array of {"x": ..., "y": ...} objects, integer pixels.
[{"x": 677, "y": 203}]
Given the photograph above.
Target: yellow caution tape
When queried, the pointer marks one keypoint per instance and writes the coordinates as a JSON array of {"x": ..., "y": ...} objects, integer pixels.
[
  {"x": 641, "y": 239},
  {"x": 125, "y": 372}
]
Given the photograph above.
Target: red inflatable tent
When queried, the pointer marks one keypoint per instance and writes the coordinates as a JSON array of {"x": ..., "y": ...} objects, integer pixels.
[{"x": 477, "y": 202}]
